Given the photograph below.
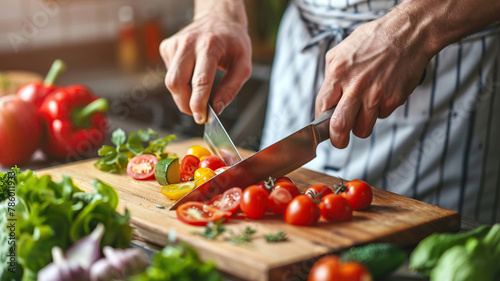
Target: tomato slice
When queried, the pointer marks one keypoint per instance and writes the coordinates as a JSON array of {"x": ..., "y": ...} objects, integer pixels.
[
  {"x": 142, "y": 167},
  {"x": 177, "y": 190},
  {"x": 188, "y": 166},
  {"x": 228, "y": 201},
  {"x": 200, "y": 214}
]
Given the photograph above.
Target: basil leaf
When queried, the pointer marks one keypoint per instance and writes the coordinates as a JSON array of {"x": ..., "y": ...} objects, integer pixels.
[{"x": 118, "y": 137}]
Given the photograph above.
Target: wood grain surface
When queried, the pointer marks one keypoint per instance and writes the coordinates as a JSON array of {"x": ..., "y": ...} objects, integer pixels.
[{"x": 391, "y": 218}]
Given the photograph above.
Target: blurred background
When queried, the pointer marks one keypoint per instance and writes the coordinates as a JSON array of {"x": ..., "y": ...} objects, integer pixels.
[{"x": 111, "y": 46}]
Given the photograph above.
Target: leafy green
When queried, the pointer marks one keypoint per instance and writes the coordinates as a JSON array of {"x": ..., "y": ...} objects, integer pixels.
[
  {"x": 46, "y": 213},
  {"x": 7, "y": 180},
  {"x": 179, "y": 262},
  {"x": 115, "y": 159}
]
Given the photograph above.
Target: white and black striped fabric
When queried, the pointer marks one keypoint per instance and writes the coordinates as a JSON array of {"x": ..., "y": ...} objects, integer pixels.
[{"x": 442, "y": 146}]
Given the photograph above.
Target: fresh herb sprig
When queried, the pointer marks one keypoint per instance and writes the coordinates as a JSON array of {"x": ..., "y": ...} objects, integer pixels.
[
  {"x": 277, "y": 237},
  {"x": 243, "y": 237},
  {"x": 115, "y": 159},
  {"x": 213, "y": 230}
]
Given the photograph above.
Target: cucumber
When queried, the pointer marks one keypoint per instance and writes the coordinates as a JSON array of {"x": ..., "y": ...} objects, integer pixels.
[
  {"x": 167, "y": 171},
  {"x": 379, "y": 258}
]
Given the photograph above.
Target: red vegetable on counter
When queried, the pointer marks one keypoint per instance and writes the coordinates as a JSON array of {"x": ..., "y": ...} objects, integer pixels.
[
  {"x": 75, "y": 122},
  {"x": 20, "y": 130},
  {"x": 36, "y": 92}
]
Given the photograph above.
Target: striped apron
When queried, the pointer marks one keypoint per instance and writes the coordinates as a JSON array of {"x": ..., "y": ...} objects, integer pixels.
[{"x": 442, "y": 146}]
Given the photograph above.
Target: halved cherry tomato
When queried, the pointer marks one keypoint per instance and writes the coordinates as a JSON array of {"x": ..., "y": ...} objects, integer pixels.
[
  {"x": 142, "y": 167},
  {"x": 254, "y": 203},
  {"x": 359, "y": 194},
  {"x": 202, "y": 175},
  {"x": 188, "y": 166},
  {"x": 200, "y": 214},
  {"x": 278, "y": 200},
  {"x": 198, "y": 151},
  {"x": 213, "y": 162},
  {"x": 330, "y": 268},
  {"x": 228, "y": 201},
  {"x": 334, "y": 207},
  {"x": 288, "y": 185},
  {"x": 314, "y": 190},
  {"x": 302, "y": 210},
  {"x": 177, "y": 190}
]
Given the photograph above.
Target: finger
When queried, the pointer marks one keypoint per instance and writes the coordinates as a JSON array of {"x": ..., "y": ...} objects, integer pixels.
[
  {"x": 167, "y": 50},
  {"x": 202, "y": 81},
  {"x": 363, "y": 126},
  {"x": 342, "y": 120},
  {"x": 236, "y": 75},
  {"x": 328, "y": 96},
  {"x": 177, "y": 79}
]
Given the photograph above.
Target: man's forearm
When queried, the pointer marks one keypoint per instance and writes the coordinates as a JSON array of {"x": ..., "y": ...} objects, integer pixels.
[
  {"x": 437, "y": 24},
  {"x": 229, "y": 9}
]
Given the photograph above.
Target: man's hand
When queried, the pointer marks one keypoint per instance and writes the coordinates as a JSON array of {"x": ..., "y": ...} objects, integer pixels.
[
  {"x": 217, "y": 38},
  {"x": 376, "y": 68}
]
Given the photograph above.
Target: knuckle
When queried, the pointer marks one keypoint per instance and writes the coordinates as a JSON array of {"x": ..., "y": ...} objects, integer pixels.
[
  {"x": 171, "y": 83},
  {"x": 201, "y": 81}
]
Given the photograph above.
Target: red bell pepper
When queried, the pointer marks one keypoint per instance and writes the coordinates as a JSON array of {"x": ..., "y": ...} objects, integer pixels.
[
  {"x": 36, "y": 92},
  {"x": 75, "y": 122}
]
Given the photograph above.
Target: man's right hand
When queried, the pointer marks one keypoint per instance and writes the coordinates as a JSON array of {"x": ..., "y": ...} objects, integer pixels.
[{"x": 217, "y": 38}]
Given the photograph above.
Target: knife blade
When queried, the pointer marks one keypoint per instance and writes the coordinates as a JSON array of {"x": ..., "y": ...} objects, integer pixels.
[
  {"x": 276, "y": 160},
  {"x": 218, "y": 140}
]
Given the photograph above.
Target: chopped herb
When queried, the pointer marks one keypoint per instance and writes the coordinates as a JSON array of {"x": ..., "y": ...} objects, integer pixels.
[
  {"x": 242, "y": 238},
  {"x": 213, "y": 230},
  {"x": 115, "y": 159},
  {"x": 277, "y": 237},
  {"x": 160, "y": 206}
]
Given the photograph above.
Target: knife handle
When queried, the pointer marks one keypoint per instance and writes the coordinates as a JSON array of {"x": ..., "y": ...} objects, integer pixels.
[{"x": 322, "y": 124}]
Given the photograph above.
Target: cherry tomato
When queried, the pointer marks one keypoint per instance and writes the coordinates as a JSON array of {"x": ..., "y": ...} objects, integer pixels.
[
  {"x": 283, "y": 179},
  {"x": 220, "y": 170},
  {"x": 228, "y": 201},
  {"x": 199, "y": 214},
  {"x": 334, "y": 207},
  {"x": 202, "y": 175},
  {"x": 359, "y": 194},
  {"x": 254, "y": 203},
  {"x": 314, "y": 190},
  {"x": 189, "y": 164},
  {"x": 330, "y": 268},
  {"x": 213, "y": 162},
  {"x": 302, "y": 210},
  {"x": 291, "y": 187},
  {"x": 278, "y": 200},
  {"x": 198, "y": 151},
  {"x": 142, "y": 167}
]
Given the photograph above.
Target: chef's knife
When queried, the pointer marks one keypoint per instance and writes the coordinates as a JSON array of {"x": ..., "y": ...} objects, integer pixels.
[
  {"x": 276, "y": 160},
  {"x": 218, "y": 140}
]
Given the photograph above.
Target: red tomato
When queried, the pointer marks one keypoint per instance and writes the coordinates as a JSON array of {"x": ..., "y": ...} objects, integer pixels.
[
  {"x": 283, "y": 179},
  {"x": 20, "y": 130},
  {"x": 220, "y": 170},
  {"x": 142, "y": 167},
  {"x": 314, "y": 190},
  {"x": 330, "y": 268},
  {"x": 213, "y": 162},
  {"x": 254, "y": 203},
  {"x": 334, "y": 207},
  {"x": 302, "y": 210},
  {"x": 188, "y": 166},
  {"x": 291, "y": 187},
  {"x": 278, "y": 200},
  {"x": 199, "y": 214},
  {"x": 228, "y": 201},
  {"x": 359, "y": 194}
]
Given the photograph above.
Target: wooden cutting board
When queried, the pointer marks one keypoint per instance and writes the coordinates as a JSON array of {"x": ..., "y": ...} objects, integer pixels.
[{"x": 391, "y": 218}]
